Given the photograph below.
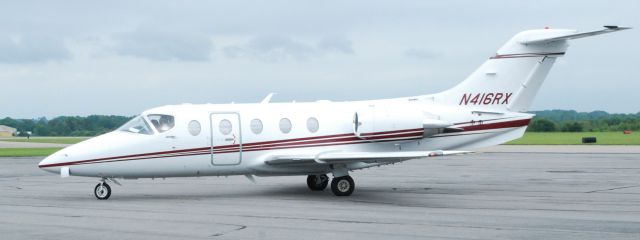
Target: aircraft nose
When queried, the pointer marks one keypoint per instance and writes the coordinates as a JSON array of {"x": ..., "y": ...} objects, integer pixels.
[
  {"x": 49, "y": 163},
  {"x": 89, "y": 149}
]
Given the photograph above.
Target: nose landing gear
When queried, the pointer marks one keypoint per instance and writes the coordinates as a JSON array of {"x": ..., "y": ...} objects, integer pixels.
[{"x": 102, "y": 190}]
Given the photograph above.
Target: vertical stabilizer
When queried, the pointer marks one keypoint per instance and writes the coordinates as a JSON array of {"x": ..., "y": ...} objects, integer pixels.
[{"x": 510, "y": 80}]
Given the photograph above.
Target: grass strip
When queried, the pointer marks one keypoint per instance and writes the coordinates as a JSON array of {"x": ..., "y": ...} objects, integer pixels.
[
  {"x": 62, "y": 140},
  {"x": 27, "y": 152},
  {"x": 575, "y": 138}
]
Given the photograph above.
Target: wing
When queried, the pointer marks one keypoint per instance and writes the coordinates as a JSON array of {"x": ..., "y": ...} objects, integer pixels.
[{"x": 333, "y": 157}]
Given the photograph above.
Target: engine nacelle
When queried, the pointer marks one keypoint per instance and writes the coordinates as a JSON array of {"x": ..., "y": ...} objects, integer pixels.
[
  {"x": 434, "y": 127},
  {"x": 375, "y": 122},
  {"x": 372, "y": 122}
]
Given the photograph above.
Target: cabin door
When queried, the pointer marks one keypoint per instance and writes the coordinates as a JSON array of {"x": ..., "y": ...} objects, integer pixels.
[{"x": 226, "y": 138}]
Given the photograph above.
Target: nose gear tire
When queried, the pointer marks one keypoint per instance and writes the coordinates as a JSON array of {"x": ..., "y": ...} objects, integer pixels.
[{"x": 102, "y": 191}]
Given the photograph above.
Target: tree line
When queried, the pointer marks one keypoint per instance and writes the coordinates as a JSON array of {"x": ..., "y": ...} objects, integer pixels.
[
  {"x": 544, "y": 121},
  {"x": 572, "y": 121},
  {"x": 92, "y": 125}
]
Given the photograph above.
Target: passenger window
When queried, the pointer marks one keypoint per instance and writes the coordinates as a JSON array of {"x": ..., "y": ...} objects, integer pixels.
[
  {"x": 313, "y": 125},
  {"x": 161, "y": 122},
  {"x": 256, "y": 126},
  {"x": 225, "y": 127},
  {"x": 285, "y": 125},
  {"x": 194, "y": 127}
]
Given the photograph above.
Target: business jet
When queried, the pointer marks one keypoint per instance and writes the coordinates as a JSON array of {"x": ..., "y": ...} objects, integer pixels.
[{"x": 315, "y": 139}]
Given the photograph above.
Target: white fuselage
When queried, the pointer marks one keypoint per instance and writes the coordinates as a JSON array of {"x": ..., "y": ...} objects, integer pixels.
[{"x": 178, "y": 153}]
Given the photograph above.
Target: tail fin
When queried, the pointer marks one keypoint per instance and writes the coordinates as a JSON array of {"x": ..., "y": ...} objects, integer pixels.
[{"x": 510, "y": 80}]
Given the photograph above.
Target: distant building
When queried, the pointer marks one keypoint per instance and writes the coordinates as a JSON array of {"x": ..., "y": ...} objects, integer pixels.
[{"x": 6, "y": 131}]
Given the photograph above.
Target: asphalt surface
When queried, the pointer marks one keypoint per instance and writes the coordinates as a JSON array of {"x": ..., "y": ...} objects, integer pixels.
[{"x": 513, "y": 192}]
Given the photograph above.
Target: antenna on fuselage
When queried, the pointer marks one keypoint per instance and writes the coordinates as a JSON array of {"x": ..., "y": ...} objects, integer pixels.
[
  {"x": 267, "y": 99},
  {"x": 250, "y": 177}
]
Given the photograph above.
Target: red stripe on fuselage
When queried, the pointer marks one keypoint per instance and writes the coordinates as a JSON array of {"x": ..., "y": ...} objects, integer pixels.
[
  {"x": 243, "y": 150},
  {"x": 232, "y": 148},
  {"x": 509, "y": 124},
  {"x": 328, "y": 142},
  {"x": 338, "y": 139}
]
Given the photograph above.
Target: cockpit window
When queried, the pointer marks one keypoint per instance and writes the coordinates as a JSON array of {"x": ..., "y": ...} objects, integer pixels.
[
  {"x": 161, "y": 122},
  {"x": 137, "y": 125}
]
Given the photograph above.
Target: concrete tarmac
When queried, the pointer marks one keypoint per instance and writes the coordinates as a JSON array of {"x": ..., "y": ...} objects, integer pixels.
[{"x": 509, "y": 192}]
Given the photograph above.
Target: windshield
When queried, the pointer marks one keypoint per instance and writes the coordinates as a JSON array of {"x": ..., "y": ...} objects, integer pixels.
[
  {"x": 161, "y": 122},
  {"x": 137, "y": 125}
]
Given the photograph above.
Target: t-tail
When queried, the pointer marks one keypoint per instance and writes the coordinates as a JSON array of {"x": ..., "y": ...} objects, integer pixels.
[{"x": 509, "y": 80}]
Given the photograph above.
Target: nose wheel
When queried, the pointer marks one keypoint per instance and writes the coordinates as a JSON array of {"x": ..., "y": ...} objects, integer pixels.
[{"x": 102, "y": 191}]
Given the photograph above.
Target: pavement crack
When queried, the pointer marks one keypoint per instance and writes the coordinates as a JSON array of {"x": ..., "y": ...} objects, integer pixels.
[
  {"x": 318, "y": 219},
  {"x": 609, "y": 189},
  {"x": 240, "y": 227}
]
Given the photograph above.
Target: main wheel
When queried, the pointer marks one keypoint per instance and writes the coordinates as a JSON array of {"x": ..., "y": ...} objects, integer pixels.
[
  {"x": 342, "y": 186},
  {"x": 102, "y": 191},
  {"x": 317, "y": 182}
]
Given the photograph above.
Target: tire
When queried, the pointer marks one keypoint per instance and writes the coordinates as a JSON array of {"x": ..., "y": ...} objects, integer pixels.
[
  {"x": 102, "y": 191},
  {"x": 342, "y": 186},
  {"x": 314, "y": 185}
]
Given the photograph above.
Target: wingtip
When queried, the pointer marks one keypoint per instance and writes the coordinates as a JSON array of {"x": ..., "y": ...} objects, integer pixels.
[{"x": 616, "y": 27}]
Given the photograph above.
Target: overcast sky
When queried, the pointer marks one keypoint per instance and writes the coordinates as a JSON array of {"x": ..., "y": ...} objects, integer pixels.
[{"x": 108, "y": 57}]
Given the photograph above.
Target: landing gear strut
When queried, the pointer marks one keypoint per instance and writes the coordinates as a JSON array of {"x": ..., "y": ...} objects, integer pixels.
[
  {"x": 102, "y": 190},
  {"x": 342, "y": 186},
  {"x": 317, "y": 182}
]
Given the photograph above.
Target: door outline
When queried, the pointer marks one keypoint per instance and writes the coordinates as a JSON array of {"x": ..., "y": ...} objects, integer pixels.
[{"x": 239, "y": 137}]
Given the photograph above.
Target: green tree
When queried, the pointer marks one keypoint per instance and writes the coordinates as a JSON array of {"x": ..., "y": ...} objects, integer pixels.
[
  {"x": 542, "y": 125},
  {"x": 572, "y": 127}
]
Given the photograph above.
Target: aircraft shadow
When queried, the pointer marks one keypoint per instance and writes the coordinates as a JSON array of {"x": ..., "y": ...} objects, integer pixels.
[{"x": 407, "y": 197}]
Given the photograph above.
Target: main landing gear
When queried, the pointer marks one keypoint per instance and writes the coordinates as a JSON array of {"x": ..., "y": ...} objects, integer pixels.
[
  {"x": 340, "y": 186},
  {"x": 317, "y": 182}
]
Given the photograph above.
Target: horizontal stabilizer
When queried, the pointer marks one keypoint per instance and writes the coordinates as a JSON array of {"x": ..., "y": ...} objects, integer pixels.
[{"x": 569, "y": 35}]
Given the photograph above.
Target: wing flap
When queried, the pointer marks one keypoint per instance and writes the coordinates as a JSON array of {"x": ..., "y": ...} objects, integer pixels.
[{"x": 351, "y": 157}]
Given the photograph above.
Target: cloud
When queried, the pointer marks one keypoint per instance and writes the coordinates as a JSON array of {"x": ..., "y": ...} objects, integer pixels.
[
  {"x": 162, "y": 45},
  {"x": 337, "y": 44},
  {"x": 421, "y": 54},
  {"x": 32, "y": 48},
  {"x": 98, "y": 48},
  {"x": 274, "y": 48}
]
